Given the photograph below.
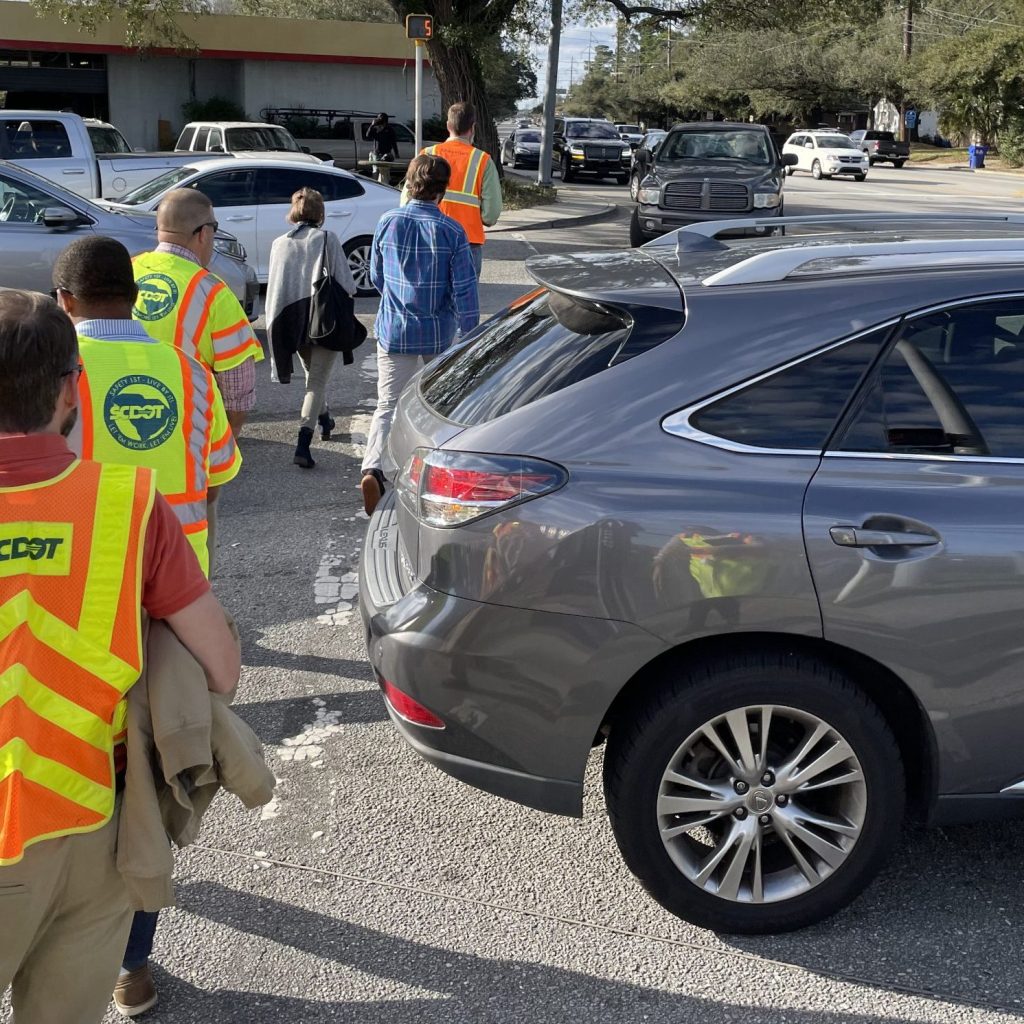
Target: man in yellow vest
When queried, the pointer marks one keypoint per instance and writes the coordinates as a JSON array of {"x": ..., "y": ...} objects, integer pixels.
[
  {"x": 84, "y": 548},
  {"x": 474, "y": 192},
  {"x": 183, "y": 304},
  {"x": 143, "y": 403}
]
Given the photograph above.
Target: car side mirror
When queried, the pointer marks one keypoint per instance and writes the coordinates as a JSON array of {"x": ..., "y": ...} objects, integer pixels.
[
  {"x": 60, "y": 217},
  {"x": 790, "y": 159},
  {"x": 808, "y": 145}
]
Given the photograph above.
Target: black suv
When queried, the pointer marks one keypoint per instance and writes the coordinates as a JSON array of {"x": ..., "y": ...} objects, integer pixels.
[
  {"x": 585, "y": 145},
  {"x": 709, "y": 171}
]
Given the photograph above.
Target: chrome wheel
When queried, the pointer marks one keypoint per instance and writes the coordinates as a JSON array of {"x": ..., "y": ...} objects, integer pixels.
[
  {"x": 761, "y": 804},
  {"x": 634, "y": 187},
  {"x": 358, "y": 253}
]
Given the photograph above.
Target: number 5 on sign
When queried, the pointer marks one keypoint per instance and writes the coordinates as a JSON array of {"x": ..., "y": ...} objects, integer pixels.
[{"x": 419, "y": 26}]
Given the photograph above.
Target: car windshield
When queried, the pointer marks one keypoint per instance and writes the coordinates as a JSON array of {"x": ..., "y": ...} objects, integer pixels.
[
  {"x": 261, "y": 139},
  {"x": 750, "y": 147},
  {"x": 527, "y": 136},
  {"x": 158, "y": 185},
  {"x": 107, "y": 140},
  {"x": 835, "y": 142},
  {"x": 591, "y": 130}
]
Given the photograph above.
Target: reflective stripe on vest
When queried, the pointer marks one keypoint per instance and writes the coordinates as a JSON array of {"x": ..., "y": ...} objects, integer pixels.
[
  {"x": 145, "y": 404},
  {"x": 70, "y": 645},
  {"x": 463, "y": 202},
  {"x": 183, "y": 305}
]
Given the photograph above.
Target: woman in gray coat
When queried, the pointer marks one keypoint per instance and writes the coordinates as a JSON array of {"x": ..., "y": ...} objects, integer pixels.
[{"x": 296, "y": 259}]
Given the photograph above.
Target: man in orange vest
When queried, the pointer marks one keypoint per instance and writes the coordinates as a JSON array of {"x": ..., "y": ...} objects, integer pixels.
[
  {"x": 474, "y": 192},
  {"x": 84, "y": 548}
]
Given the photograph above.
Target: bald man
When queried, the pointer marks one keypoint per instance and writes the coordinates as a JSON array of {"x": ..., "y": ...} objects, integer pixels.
[{"x": 181, "y": 303}]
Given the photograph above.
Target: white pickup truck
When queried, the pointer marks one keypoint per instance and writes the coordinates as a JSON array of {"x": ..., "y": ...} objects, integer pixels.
[{"x": 58, "y": 146}]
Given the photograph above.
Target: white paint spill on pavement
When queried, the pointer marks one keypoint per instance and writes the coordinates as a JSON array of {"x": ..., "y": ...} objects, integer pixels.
[{"x": 308, "y": 744}]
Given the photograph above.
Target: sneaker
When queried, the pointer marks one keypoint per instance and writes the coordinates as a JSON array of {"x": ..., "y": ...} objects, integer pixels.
[
  {"x": 372, "y": 486},
  {"x": 135, "y": 992}
]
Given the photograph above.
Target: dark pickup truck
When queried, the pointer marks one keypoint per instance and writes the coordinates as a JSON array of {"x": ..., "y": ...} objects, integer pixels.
[
  {"x": 882, "y": 147},
  {"x": 709, "y": 170}
]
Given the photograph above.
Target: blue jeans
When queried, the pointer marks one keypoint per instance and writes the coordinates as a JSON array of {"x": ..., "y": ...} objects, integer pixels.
[
  {"x": 140, "y": 941},
  {"x": 478, "y": 257}
]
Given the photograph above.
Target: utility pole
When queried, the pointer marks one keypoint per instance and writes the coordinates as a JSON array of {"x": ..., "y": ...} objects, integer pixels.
[
  {"x": 669, "y": 48},
  {"x": 550, "y": 95},
  {"x": 572, "y": 71},
  {"x": 908, "y": 50}
]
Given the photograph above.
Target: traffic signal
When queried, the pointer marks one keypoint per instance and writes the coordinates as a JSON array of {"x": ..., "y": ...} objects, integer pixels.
[{"x": 419, "y": 26}]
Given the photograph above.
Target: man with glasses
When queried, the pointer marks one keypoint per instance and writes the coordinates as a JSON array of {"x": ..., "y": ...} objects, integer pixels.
[
  {"x": 181, "y": 303},
  {"x": 84, "y": 548}
]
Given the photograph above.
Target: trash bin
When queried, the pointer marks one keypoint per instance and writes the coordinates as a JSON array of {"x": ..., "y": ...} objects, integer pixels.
[
  {"x": 982, "y": 153},
  {"x": 972, "y": 157}
]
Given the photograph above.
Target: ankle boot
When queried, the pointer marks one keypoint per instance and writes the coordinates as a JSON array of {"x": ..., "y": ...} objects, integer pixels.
[
  {"x": 326, "y": 425},
  {"x": 302, "y": 455}
]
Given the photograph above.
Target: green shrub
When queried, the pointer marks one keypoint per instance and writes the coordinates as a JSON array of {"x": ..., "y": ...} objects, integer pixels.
[
  {"x": 216, "y": 108},
  {"x": 1011, "y": 141}
]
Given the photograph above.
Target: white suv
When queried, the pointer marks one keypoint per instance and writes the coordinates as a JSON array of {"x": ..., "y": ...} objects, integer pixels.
[{"x": 825, "y": 153}]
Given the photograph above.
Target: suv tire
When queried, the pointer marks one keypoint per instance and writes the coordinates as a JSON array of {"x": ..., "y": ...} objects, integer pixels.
[
  {"x": 634, "y": 187},
  {"x": 623, "y": 179},
  {"x": 636, "y": 234},
  {"x": 816, "y": 171},
  {"x": 567, "y": 171},
  {"x": 660, "y": 756},
  {"x": 898, "y": 163}
]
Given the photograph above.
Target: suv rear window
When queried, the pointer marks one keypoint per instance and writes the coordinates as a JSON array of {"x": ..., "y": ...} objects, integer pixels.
[
  {"x": 880, "y": 136},
  {"x": 536, "y": 348}
]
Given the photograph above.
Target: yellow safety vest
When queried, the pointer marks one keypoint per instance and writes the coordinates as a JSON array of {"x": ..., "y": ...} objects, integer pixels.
[
  {"x": 186, "y": 306},
  {"x": 145, "y": 404},
  {"x": 71, "y": 574},
  {"x": 462, "y": 200}
]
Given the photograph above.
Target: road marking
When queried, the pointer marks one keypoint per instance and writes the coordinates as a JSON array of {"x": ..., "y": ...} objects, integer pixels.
[{"x": 308, "y": 744}]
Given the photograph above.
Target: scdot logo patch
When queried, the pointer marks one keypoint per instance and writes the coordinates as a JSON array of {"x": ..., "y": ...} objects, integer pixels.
[
  {"x": 140, "y": 412},
  {"x": 158, "y": 295}
]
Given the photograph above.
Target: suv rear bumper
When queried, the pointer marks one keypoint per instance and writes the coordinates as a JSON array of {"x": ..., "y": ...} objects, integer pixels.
[{"x": 522, "y": 693}]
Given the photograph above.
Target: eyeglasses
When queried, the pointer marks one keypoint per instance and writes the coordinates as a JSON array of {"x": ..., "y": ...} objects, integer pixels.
[
  {"x": 79, "y": 369},
  {"x": 209, "y": 224}
]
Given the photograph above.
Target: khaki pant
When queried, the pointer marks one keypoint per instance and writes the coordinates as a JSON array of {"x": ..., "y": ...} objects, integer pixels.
[
  {"x": 64, "y": 921},
  {"x": 317, "y": 363}
]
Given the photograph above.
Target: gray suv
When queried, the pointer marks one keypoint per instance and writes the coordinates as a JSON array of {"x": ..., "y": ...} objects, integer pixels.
[{"x": 749, "y": 514}]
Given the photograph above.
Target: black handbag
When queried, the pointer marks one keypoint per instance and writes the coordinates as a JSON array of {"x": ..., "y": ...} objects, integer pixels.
[{"x": 332, "y": 313}]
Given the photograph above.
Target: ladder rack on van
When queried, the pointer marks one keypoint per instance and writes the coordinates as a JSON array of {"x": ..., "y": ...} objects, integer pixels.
[{"x": 329, "y": 114}]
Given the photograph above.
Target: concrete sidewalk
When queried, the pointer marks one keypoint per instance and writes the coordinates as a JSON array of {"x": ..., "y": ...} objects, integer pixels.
[{"x": 560, "y": 214}]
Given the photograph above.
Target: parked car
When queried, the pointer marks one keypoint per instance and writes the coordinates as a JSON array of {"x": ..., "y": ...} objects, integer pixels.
[
  {"x": 242, "y": 139},
  {"x": 630, "y": 133},
  {"x": 522, "y": 148},
  {"x": 39, "y": 218},
  {"x": 59, "y": 146},
  {"x": 708, "y": 170},
  {"x": 587, "y": 145},
  {"x": 343, "y": 136},
  {"x": 525, "y": 123},
  {"x": 881, "y": 146},
  {"x": 785, "y": 587},
  {"x": 253, "y": 197},
  {"x": 825, "y": 154},
  {"x": 643, "y": 160}
]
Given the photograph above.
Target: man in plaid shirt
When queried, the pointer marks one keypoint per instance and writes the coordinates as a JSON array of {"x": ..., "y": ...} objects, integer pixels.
[{"x": 423, "y": 268}]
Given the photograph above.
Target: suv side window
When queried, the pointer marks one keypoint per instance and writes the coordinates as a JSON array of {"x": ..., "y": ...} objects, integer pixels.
[
  {"x": 951, "y": 384},
  {"x": 795, "y": 408},
  {"x": 227, "y": 188},
  {"x": 202, "y": 135}
]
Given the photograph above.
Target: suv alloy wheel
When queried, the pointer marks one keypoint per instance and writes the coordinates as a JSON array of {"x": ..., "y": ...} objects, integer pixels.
[
  {"x": 756, "y": 793},
  {"x": 634, "y": 186}
]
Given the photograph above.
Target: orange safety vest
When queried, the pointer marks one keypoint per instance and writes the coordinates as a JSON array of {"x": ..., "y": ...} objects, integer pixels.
[
  {"x": 70, "y": 645},
  {"x": 462, "y": 200}
]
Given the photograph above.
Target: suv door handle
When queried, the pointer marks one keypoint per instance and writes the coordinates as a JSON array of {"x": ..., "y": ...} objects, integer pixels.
[
  {"x": 240, "y": 216},
  {"x": 853, "y": 537}
]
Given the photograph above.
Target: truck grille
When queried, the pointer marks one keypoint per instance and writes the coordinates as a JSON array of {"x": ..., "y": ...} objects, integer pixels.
[
  {"x": 716, "y": 196},
  {"x": 603, "y": 152}
]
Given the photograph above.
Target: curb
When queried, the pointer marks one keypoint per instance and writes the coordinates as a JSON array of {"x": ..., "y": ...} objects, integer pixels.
[{"x": 604, "y": 212}]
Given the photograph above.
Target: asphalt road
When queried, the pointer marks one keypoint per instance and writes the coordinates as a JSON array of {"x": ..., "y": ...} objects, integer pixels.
[{"x": 376, "y": 890}]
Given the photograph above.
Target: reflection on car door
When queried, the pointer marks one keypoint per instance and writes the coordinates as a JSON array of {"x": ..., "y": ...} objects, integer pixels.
[
  {"x": 915, "y": 532},
  {"x": 28, "y": 248},
  {"x": 231, "y": 193},
  {"x": 274, "y": 190}
]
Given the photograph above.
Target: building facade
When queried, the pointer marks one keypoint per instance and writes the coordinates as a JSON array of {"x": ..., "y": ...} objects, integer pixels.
[{"x": 252, "y": 62}]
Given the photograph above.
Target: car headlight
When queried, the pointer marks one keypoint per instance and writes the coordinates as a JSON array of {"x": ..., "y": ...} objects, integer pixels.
[
  {"x": 627, "y": 153},
  {"x": 576, "y": 150},
  {"x": 650, "y": 196},
  {"x": 230, "y": 247},
  {"x": 766, "y": 200}
]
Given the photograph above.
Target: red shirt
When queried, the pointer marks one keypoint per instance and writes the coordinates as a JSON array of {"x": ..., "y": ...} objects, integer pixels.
[{"x": 171, "y": 576}]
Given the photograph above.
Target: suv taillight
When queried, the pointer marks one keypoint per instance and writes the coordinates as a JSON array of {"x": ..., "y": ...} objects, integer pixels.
[
  {"x": 453, "y": 488},
  {"x": 876, "y": 145}
]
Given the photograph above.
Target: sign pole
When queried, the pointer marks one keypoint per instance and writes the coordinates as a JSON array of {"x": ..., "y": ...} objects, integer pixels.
[{"x": 419, "y": 94}]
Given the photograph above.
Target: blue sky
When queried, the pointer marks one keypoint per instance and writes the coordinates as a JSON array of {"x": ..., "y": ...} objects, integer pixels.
[{"x": 577, "y": 41}]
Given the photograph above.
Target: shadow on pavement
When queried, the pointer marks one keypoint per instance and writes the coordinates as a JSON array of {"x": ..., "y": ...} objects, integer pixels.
[
  {"x": 274, "y": 720},
  {"x": 468, "y": 988},
  {"x": 946, "y": 916}
]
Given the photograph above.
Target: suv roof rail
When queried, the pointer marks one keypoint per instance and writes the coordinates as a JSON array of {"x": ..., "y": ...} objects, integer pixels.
[{"x": 704, "y": 236}]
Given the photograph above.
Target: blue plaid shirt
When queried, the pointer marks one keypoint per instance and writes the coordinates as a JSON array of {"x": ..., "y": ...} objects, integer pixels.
[{"x": 423, "y": 269}]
